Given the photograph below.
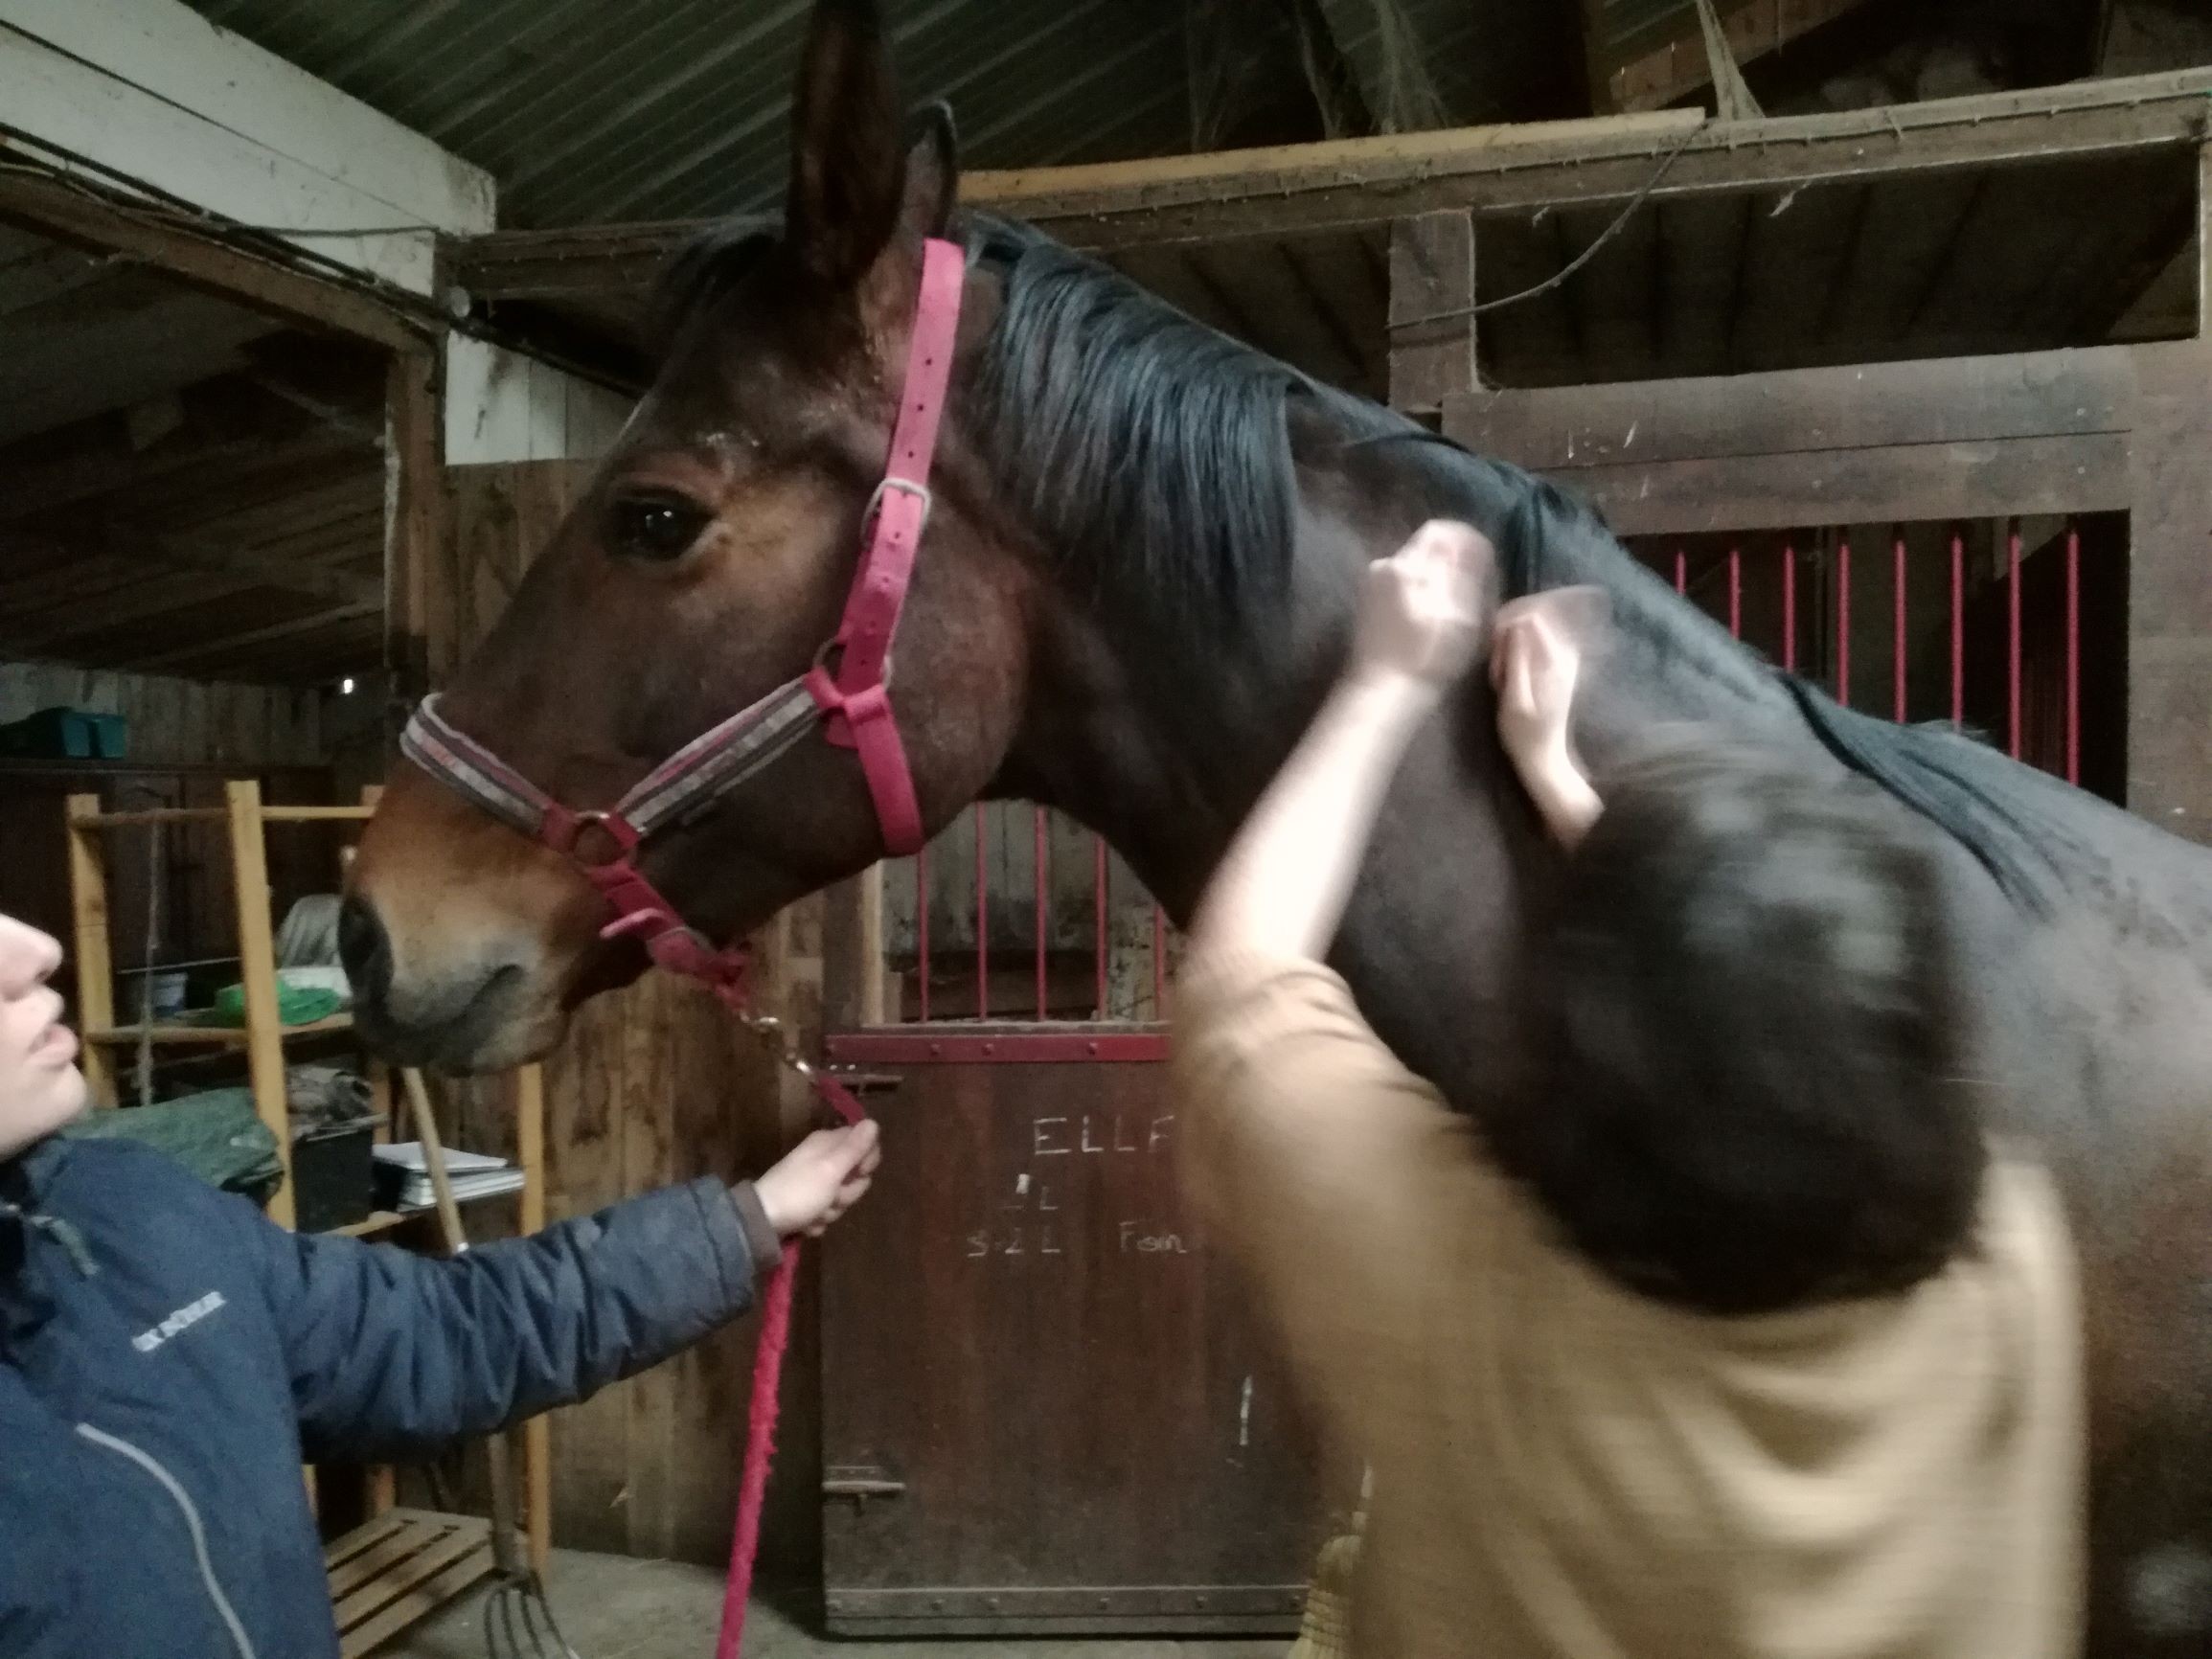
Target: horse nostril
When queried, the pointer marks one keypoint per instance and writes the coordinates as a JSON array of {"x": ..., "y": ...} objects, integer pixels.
[{"x": 366, "y": 950}]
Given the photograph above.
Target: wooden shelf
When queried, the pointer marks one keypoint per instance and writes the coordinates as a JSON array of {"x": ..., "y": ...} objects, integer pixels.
[
  {"x": 234, "y": 1036},
  {"x": 400, "y": 1567},
  {"x": 316, "y": 814},
  {"x": 376, "y": 1222},
  {"x": 384, "y": 1220},
  {"x": 152, "y": 815}
]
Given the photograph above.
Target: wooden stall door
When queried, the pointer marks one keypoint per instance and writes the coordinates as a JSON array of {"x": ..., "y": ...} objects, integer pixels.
[{"x": 1046, "y": 1408}]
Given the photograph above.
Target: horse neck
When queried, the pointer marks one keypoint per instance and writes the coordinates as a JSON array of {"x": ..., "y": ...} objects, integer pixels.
[{"x": 1164, "y": 752}]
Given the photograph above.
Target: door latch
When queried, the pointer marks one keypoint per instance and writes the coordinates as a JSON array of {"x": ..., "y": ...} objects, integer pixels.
[{"x": 860, "y": 1484}]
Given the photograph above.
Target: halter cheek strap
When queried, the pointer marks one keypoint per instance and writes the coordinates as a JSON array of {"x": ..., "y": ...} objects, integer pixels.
[
  {"x": 855, "y": 695},
  {"x": 846, "y": 693}
]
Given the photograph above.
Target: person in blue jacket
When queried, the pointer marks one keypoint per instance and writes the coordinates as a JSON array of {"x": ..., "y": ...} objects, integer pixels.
[{"x": 168, "y": 1356}]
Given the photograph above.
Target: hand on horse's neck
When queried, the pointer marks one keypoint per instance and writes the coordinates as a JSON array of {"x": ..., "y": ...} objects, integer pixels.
[{"x": 1166, "y": 761}]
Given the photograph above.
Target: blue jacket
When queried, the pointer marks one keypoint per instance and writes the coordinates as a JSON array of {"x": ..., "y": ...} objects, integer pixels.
[{"x": 168, "y": 1356}]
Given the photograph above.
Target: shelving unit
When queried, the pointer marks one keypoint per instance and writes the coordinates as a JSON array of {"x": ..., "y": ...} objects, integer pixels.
[
  {"x": 263, "y": 1035},
  {"x": 400, "y": 1564}
]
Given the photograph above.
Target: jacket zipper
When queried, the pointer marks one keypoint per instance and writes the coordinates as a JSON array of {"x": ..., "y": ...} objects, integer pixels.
[{"x": 175, "y": 1490}]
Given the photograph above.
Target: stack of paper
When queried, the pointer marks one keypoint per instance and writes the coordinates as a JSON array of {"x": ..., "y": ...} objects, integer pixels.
[{"x": 473, "y": 1175}]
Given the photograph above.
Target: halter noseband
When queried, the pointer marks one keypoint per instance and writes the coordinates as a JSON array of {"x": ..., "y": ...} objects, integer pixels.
[{"x": 846, "y": 690}]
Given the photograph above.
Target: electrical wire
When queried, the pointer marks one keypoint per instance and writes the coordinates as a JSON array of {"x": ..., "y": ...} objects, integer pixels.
[
  {"x": 1557, "y": 277},
  {"x": 136, "y": 203}
]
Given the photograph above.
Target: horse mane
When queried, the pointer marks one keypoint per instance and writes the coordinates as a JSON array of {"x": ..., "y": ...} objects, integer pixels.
[
  {"x": 1154, "y": 454},
  {"x": 1151, "y": 451}
]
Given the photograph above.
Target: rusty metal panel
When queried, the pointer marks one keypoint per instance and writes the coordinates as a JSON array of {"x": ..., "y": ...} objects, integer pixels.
[{"x": 1045, "y": 1406}]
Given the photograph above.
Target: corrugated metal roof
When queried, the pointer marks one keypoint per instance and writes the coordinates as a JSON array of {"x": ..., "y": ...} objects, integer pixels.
[
  {"x": 594, "y": 111},
  {"x": 590, "y": 112}
]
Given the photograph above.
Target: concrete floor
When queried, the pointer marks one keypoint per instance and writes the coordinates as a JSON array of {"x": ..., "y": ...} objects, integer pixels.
[{"x": 611, "y": 1607}]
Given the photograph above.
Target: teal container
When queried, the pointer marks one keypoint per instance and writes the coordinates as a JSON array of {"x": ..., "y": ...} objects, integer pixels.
[{"x": 67, "y": 734}]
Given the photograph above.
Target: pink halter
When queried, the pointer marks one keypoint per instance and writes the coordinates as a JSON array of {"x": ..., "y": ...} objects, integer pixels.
[{"x": 846, "y": 691}]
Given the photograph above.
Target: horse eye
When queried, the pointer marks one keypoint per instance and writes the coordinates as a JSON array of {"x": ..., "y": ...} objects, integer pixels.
[{"x": 656, "y": 527}]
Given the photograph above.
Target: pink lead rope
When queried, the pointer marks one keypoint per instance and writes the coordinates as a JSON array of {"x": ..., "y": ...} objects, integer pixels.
[{"x": 765, "y": 1405}]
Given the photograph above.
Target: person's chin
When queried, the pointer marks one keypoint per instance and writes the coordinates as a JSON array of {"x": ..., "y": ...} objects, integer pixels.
[{"x": 50, "y": 1109}]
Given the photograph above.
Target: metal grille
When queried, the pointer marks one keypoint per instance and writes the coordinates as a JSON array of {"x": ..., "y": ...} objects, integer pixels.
[
  {"x": 1017, "y": 914},
  {"x": 2014, "y": 629}
]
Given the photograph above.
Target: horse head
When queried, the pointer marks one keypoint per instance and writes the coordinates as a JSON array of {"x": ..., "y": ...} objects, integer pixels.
[{"x": 705, "y": 564}]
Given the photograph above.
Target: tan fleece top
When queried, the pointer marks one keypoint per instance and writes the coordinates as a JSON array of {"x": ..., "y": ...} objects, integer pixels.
[{"x": 1564, "y": 1468}]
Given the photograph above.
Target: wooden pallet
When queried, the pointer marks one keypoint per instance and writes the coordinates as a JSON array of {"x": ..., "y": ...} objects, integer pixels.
[{"x": 400, "y": 1567}]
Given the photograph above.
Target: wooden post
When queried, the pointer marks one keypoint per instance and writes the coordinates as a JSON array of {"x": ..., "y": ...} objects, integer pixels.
[
  {"x": 1432, "y": 353},
  {"x": 258, "y": 977},
  {"x": 853, "y": 952},
  {"x": 95, "y": 966},
  {"x": 2204, "y": 242},
  {"x": 537, "y": 1432},
  {"x": 418, "y": 627}
]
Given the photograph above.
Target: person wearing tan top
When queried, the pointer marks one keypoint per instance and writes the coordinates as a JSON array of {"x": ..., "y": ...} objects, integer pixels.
[{"x": 1713, "y": 1344}]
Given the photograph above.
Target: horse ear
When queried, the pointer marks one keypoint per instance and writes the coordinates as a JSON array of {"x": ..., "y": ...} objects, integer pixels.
[
  {"x": 847, "y": 166},
  {"x": 1582, "y": 616},
  {"x": 932, "y": 173}
]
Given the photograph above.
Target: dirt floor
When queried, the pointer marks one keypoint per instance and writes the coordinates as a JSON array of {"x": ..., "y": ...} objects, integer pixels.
[{"x": 612, "y": 1608}]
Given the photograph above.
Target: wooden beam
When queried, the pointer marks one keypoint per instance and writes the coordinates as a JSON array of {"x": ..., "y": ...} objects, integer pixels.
[
  {"x": 853, "y": 952},
  {"x": 217, "y": 425},
  {"x": 223, "y": 645},
  {"x": 2046, "y": 432},
  {"x": 1432, "y": 290},
  {"x": 1881, "y": 484},
  {"x": 150, "y": 91},
  {"x": 1662, "y": 75},
  {"x": 2169, "y": 600},
  {"x": 261, "y": 569},
  {"x": 418, "y": 631},
  {"x": 1373, "y": 181},
  {"x": 2204, "y": 227},
  {"x": 87, "y": 218},
  {"x": 1561, "y": 429},
  {"x": 95, "y": 967},
  {"x": 257, "y": 980},
  {"x": 39, "y": 486},
  {"x": 156, "y": 550}
]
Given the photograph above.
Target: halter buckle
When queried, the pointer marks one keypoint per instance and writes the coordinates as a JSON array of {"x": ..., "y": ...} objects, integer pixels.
[{"x": 905, "y": 485}]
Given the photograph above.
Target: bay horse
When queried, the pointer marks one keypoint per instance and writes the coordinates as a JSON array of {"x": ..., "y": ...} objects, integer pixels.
[{"x": 1136, "y": 584}]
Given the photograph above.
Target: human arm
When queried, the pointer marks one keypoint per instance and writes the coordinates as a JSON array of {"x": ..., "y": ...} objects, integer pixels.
[
  {"x": 1304, "y": 1141},
  {"x": 392, "y": 1352},
  {"x": 1281, "y": 887}
]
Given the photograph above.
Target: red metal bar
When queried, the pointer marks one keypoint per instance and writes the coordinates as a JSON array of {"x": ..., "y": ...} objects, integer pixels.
[
  {"x": 1099, "y": 917},
  {"x": 1897, "y": 648},
  {"x": 922, "y": 927},
  {"x": 1042, "y": 906},
  {"x": 1789, "y": 608},
  {"x": 1957, "y": 628},
  {"x": 1159, "y": 962},
  {"x": 888, "y": 1045},
  {"x": 2073, "y": 653},
  {"x": 1843, "y": 621},
  {"x": 1681, "y": 571},
  {"x": 982, "y": 922},
  {"x": 1735, "y": 593},
  {"x": 2013, "y": 638}
]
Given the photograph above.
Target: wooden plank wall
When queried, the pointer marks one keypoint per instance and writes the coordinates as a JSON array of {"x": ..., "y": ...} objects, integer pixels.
[
  {"x": 656, "y": 1085},
  {"x": 180, "y": 722}
]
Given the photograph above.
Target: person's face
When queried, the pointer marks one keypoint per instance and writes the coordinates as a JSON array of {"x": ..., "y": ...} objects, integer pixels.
[{"x": 41, "y": 1087}]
